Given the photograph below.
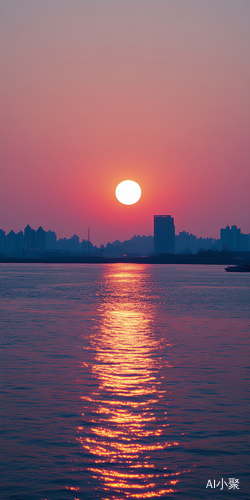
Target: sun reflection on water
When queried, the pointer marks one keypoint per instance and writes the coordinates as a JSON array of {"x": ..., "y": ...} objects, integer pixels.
[{"x": 126, "y": 435}]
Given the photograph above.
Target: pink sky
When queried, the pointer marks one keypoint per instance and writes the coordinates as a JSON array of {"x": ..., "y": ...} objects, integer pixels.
[{"x": 96, "y": 92}]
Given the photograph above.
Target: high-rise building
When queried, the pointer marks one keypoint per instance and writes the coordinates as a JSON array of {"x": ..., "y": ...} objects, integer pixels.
[
  {"x": 29, "y": 241},
  {"x": 164, "y": 234},
  {"x": 51, "y": 240},
  {"x": 2, "y": 242},
  {"x": 40, "y": 241},
  {"x": 74, "y": 244},
  {"x": 14, "y": 244},
  {"x": 230, "y": 238}
]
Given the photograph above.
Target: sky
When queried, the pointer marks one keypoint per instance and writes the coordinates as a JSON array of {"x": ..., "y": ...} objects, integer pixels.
[{"x": 94, "y": 92}]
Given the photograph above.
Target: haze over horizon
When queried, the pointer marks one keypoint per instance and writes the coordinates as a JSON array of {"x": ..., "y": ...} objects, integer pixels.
[{"x": 94, "y": 93}]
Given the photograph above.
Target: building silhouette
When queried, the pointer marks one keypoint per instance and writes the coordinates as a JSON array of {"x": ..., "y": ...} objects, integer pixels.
[
  {"x": 40, "y": 247},
  {"x": 164, "y": 234},
  {"x": 234, "y": 240},
  {"x": 29, "y": 241},
  {"x": 230, "y": 238},
  {"x": 51, "y": 241},
  {"x": 14, "y": 244},
  {"x": 2, "y": 242},
  {"x": 32, "y": 244}
]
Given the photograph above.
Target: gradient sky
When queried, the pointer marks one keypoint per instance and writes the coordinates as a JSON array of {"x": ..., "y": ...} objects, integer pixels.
[{"x": 94, "y": 92}]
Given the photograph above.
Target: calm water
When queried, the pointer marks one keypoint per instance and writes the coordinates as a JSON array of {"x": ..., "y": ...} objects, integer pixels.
[{"x": 124, "y": 382}]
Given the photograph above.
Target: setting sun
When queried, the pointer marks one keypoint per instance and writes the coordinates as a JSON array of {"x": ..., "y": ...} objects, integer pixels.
[{"x": 128, "y": 192}]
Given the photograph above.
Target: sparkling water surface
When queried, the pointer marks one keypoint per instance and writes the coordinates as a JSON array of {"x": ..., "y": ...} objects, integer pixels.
[{"x": 124, "y": 381}]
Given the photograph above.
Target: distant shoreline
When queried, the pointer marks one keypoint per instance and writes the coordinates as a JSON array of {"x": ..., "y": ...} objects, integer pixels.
[{"x": 209, "y": 257}]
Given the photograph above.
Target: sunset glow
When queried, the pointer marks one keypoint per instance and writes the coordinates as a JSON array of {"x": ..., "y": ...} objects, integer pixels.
[{"x": 154, "y": 91}]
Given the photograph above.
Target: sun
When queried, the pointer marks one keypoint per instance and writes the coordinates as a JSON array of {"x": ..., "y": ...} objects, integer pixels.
[{"x": 128, "y": 192}]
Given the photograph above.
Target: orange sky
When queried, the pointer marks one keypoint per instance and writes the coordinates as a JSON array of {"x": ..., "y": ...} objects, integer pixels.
[{"x": 97, "y": 92}]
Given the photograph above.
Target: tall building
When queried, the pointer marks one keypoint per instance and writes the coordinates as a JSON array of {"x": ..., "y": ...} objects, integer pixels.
[
  {"x": 2, "y": 242},
  {"x": 231, "y": 238},
  {"x": 51, "y": 240},
  {"x": 164, "y": 234},
  {"x": 74, "y": 244},
  {"x": 29, "y": 242},
  {"x": 40, "y": 241},
  {"x": 14, "y": 244}
]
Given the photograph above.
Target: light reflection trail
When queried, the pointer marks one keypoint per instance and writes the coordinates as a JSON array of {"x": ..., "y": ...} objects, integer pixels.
[{"x": 127, "y": 432}]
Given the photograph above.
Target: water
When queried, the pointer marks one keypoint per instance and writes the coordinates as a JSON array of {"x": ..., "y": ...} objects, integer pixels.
[{"x": 124, "y": 382}]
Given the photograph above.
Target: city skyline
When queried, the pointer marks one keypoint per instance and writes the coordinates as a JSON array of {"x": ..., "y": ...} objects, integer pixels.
[
  {"x": 32, "y": 243},
  {"x": 94, "y": 93}
]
